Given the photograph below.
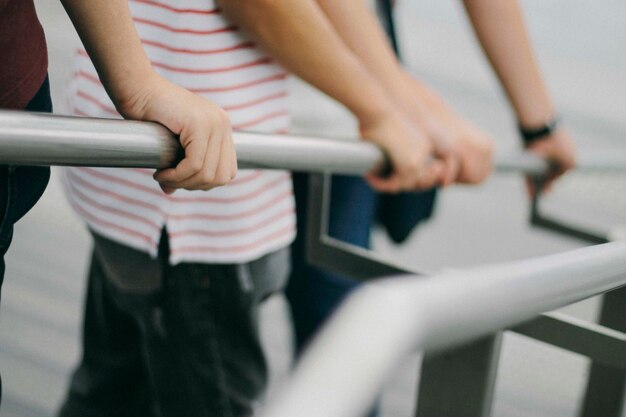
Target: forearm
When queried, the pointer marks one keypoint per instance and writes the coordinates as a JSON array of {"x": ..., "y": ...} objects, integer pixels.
[
  {"x": 300, "y": 37},
  {"x": 359, "y": 28},
  {"x": 499, "y": 26},
  {"x": 107, "y": 32}
]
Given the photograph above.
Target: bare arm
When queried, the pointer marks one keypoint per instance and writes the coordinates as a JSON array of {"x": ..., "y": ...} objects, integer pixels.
[
  {"x": 499, "y": 26},
  {"x": 108, "y": 33},
  {"x": 359, "y": 28},
  {"x": 466, "y": 150},
  {"x": 298, "y": 34}
]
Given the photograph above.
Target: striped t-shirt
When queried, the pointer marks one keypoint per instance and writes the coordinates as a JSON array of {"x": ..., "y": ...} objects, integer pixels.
[{"x": 192, "y": 44}]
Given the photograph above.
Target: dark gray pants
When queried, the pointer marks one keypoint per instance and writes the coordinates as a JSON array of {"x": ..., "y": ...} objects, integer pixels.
[{"x": 171, "y": 341}]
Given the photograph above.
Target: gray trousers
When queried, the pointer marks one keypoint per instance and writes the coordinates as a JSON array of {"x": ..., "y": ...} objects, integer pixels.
[{"x": 171, "y": 341}]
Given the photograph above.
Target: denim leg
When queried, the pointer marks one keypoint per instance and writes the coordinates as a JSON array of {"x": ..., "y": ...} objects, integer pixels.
[
  {"x": 312, "y": 293},
  {"x": 6, "y": 229},
  {"x": 21, "y": 187},
  {"x": 209, "y": 361}
]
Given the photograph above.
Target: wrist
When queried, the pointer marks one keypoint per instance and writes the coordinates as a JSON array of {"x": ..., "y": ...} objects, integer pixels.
[
  {"x": 132, "y": 96},
  {"x": 531, "y": 133},
  {"x": 375, "y": 111}
]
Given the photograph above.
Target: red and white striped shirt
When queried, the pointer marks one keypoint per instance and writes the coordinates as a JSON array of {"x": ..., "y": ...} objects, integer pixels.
[{"x": 192, "y": 44}]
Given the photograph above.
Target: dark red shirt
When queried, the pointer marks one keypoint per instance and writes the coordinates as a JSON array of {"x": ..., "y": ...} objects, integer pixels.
[{"x": 23, "y": 54}]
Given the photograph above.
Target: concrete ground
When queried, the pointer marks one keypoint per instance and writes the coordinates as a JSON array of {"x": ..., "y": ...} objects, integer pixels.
[{"x": 582, "y": 48}]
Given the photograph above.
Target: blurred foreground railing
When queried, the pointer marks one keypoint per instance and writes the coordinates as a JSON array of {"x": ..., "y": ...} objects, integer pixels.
[{"x": 343, "y": 370}]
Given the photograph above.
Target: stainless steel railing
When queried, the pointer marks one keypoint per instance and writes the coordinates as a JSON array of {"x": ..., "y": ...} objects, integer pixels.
[
  {"x": 342, "y": 371},
  {"x": 42, "y": 139}
]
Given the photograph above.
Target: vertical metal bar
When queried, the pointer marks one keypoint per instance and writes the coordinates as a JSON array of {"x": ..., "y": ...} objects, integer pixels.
[
  {"x": 459, "y": 382},
  {"x": 606, "y": 387},
  {"x": 539, "y": 220},
  {"x": 332, "y": 254}
]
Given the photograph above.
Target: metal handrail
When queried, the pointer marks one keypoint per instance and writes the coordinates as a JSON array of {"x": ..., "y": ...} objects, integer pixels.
[
  {"x": 382, "y": 322},
  {"x": 42, "y": 139}
]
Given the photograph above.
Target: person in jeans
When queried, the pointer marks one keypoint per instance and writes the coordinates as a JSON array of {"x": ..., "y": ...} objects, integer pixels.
[
  {"x": 313, "y": 293},
  {"x": 175, "y": 284},
  {"x": 136, "y": 90}
]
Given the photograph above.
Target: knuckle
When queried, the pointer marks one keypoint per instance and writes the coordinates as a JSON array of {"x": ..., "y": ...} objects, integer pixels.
[
  {"x": 207, "y": 178},
  {"x": 474, "y": 179},
  {"x": 487, "y": 149},
  {"x": 411, "y": 166},
  {"x": 195, "y": 164},
  {"x": 195, "y": 167},
  {"x": 198, "y": 121},
  {"x": 223, "y": 116},
  {"x": 221, "y": 179}
]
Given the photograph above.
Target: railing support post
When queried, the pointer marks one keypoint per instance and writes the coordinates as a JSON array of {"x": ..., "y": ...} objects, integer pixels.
[
  {"x": 459, "y": 382},
  {"x": 606, "y": 387}
]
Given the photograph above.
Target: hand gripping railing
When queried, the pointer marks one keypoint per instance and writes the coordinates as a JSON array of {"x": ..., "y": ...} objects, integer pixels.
[{"x": 342, "y": 371}]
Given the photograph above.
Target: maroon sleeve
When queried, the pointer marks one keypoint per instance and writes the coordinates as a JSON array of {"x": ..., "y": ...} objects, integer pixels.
[{"x": 24, "y": 59}]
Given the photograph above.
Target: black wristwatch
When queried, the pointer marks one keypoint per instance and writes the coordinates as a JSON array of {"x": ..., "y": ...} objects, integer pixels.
[{"x": 530, "y": 135}]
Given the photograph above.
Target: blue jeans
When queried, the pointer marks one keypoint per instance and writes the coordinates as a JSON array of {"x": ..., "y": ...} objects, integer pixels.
[
  {"x": 21, "y": 186},
  {"x": 171, "y": 341},
  {"x": 313, "y": 293}
]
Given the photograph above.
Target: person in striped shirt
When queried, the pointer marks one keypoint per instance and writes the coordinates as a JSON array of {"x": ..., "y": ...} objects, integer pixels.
[
  {"x": 132, "y": 87},
  {"x": 175, "y": 283},
  {"x": 137, "y": 91}
]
